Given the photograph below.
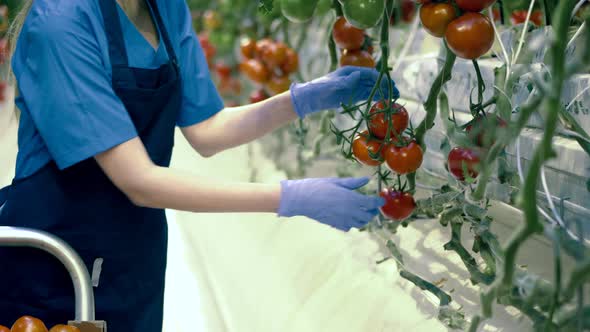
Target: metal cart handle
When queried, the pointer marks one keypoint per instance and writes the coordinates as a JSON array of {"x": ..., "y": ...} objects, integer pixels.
[{"x": 24, "y": 237}]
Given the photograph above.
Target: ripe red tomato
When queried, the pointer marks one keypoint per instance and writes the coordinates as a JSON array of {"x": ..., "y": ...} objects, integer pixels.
[
  {"x": 408, "y": 11},
  {"x": 483, "y": 130},
  {"x": 291, "y": 63},
  {"x": 257, "y": 96},
  {"x": 274, "y": 54},
  {"x": 519, "y": 17},
  {"x": 3, "y": 87},
  {"x": 435, "y": 17},
  {"x": 463, "y": 163},
  {"x": 64, "y": 328},
  {"x": 255, "y": 70},
  {"x": 398, "y": 205},
  {"x": 28, "y": 324},
  {"x": 474, "y": 5},
  {"x": 248, "y": 48},
  {"x": 208, "y": 48},
  {"x": 470, "y": 36},
  {"x": 223, "y": 70},
  {"x": 357, "y": 58},
  {"x": 404, "y": 159},
  {"x": 4, "y": 329},
  {"x": 497, "y": 14},
  {"x": 278, "y": 84},
  {"x": 229, "y": 86},
  {"x": 361, "y": 145},
  {"x": 378, "y": 124},
  {"x": 4, "y": 47},
  {"x": 347, "y": 36}
]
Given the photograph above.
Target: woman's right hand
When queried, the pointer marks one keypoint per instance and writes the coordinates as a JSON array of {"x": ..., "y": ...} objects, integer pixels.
[{"x": 331, "y": 201}]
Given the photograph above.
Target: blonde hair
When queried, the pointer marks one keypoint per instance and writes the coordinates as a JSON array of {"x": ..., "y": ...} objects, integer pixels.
[{"x": 13, "y": 33}]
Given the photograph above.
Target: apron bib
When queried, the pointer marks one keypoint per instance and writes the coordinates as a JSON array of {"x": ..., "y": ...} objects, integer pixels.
[{"x": 83, "y": 207}]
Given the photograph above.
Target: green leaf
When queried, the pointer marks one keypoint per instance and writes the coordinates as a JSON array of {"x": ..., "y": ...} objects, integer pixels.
[
  {"x": 454, "y": 319},
  {"x": 265, "y": 6},
  {"x": 449, "y": 214}
]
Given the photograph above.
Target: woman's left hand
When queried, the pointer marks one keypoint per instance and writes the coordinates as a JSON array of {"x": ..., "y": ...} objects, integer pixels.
[{"x": 346, "y": 85}]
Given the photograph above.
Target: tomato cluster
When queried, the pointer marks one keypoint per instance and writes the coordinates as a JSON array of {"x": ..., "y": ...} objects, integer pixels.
[
  {"x": 384, "y": 142},
  {"x": 469, "y": 34},
  {"x": 268, "y": 63},
  {"x": 406, "y": 12},
  {"x": 354, "y": 44},
  {"x": 32, "y": 324}
]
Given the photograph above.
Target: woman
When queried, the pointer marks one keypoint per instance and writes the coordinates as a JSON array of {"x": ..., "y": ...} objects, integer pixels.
[{"x": 102, "y": 85}]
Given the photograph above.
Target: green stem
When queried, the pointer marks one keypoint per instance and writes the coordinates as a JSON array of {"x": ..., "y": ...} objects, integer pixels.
[
  {"x": 431, "y": 104},
  {"x": 443, "y": 297}
]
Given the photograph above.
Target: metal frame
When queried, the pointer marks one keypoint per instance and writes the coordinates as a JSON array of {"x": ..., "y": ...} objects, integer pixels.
[{"x": 24, "y": 237}]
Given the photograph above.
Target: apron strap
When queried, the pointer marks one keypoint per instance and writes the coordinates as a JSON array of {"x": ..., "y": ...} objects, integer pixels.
[
  {"x": 164, "y": 32},
  {"x": 114, "y": 32}
]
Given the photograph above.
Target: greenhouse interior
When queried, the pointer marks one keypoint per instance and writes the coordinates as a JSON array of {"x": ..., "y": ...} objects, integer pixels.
[{"x": 294, "y": 165}]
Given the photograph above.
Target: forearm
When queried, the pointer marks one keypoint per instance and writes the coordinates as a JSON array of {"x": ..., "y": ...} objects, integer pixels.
[
  {"x": 172, "y": 189},
  {"x": 239, "y": 125}
]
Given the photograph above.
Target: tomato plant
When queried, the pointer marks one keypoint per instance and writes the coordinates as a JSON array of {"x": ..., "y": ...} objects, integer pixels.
[
  {"x": 4, "y": 329},
  {"x": 463, "y": 163},
  {"x": 435, "y": 17},
  {"x": 484, "y": 129},
  {"x": 28, "y": 324},
  {"x": 470, "y": 36},
  {"x": 365, "y": 148},
  {"x": 404, "y": 158},
  {"x": 380, "y": 123},
  {"x": 64, "y": 328},
  {"x": 347, "y": 36},
  {"x": 363, "y": 14},
  {"x": 399, "y": 205},
  {"x": 298, "y": 11}
]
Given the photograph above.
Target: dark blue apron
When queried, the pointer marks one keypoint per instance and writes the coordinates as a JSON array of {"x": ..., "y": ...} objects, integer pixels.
[{"x": 83, "y": 207}]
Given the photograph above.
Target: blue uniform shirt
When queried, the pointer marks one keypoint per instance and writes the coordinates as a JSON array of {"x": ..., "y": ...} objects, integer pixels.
[{"x": 69, "y": 109}]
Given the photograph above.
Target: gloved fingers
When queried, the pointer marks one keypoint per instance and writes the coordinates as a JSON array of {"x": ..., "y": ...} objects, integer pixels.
[
  {"x": 347, "y": 70},
  {"x": 363, "y": 215},
  {"x": 352, "y": 183}
]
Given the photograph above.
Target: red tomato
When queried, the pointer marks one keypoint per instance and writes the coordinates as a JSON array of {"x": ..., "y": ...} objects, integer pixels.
[
  {"x": 278, "y": 84},
  {"x": 497, "y": 14},
  {"x": 357, "y": 58},
  {"x": 404, "y": 159},
  {"x": 398, "y": 205},
  {"x": 408, "y": 9},
  {"x": 255, "y": 70},
  {"x": 474, "y": 5},
  {"x": 208, "y": 48},
  {"x": 519, "y": 17},
  {"x": 291, "y": 63},
  {"x": 223, "y": 70},
  {"x": 258, "y": 96},
  {"x": 361, "y": 145},
  {"x": 262, "y": 46},
  {"x": 463, "y": 163},
  {"x": 470, "y": 36},
  {"x": 483, "y": 130},
  {"x": 230, "y": 86},
  {"x": 347, "y": 36},
  {"x": 4, "y": 46},
  {"x": 4, "y": 329},
  {"x": 3, "y": 87},
  {"x": 378, "y": 124},
  {"x": 64, "y": 328},
  {"x": 28, "y": 324},
  {"x": 274, "y": 54},
  {"x": 248, "y": 48},
  {"x": 435, "y": 17}
]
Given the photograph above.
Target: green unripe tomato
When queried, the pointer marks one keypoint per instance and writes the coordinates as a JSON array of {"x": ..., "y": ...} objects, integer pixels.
[
  {"x": 323, "y": 7},
  {"x": 363, "y": 14},
  {"x": 298, "y": 11}
]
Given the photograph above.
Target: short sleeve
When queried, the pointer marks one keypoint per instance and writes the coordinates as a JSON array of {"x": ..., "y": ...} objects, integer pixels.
[
  {"x": 201, "y": 99},
  {"x": 66, "y": 89}
]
